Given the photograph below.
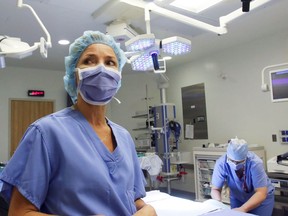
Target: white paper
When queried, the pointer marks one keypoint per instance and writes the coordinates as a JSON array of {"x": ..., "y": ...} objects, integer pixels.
[{"x": 189, "y": 131}]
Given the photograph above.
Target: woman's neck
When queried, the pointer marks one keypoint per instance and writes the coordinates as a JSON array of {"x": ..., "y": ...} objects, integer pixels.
[{"x": 95, "y": 115}]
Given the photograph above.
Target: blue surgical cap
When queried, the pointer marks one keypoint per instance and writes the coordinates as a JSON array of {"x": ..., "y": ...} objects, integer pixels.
[
  {"x": 77, "y": 48},
  {"x": 237, "y": 149}
]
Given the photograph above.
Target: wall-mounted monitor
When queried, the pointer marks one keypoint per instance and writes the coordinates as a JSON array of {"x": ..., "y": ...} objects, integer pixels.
[{"x": 279, "y": 85}]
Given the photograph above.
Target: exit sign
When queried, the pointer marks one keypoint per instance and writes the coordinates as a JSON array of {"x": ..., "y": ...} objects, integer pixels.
[{"x": 36, "y": 93}]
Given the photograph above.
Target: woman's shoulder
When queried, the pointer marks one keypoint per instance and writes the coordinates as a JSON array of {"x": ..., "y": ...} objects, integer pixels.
[{"x": 52, "y": 118}]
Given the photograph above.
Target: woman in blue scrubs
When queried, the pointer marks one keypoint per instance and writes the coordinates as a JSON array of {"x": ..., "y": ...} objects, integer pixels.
[
  {"x": 243, "y": 171},
  {"x": 76, "y": 161}
]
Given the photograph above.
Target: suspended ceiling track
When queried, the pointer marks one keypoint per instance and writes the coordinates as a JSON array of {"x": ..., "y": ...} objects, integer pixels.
[{"x": 150, "y": 6}]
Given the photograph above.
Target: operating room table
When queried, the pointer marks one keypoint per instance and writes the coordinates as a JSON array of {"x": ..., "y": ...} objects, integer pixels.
[{"x": 167, "y": 205}]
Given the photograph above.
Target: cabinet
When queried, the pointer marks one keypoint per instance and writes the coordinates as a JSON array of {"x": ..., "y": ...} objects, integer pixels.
[
  {"x": 204, "y": 161},
  {"x": 280, "y": 182}
]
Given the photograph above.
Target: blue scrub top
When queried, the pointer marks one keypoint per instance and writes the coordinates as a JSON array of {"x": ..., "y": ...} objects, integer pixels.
[
  {"x": 63, "y": 168},
  {"x": 256, "y": 177}
]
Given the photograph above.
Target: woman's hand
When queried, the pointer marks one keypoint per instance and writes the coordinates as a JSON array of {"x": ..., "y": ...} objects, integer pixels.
[
  {"x": 146, "y": 210},
  {"x": 239, "y": 209}
]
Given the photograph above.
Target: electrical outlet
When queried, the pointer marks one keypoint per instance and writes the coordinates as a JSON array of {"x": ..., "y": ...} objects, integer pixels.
[{"x": 274, "y": 138}]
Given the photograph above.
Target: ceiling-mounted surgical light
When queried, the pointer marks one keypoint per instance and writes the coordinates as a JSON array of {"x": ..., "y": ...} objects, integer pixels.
[
  {"x": 162, "y": 66},
  {"x": 142, "y": 62},
  {"x": 140, "y": 42},
  {"x": 13, "y": 47},
  {"x": 147, "y": 50},
  {"x": 175, "y": 45},
  {"x": 146, "y": 60},
  {"x": 154, "y": 56}
]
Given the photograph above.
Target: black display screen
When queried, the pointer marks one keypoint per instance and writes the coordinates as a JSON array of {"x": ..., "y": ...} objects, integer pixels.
[{"x": 279, "y": 85}]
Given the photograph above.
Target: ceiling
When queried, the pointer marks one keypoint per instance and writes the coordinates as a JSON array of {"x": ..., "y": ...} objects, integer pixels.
[{"x": 70, "y": 18}]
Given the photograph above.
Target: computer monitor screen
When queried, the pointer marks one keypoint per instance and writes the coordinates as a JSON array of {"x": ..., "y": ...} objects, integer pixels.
[{"x": 279, "y": 85}]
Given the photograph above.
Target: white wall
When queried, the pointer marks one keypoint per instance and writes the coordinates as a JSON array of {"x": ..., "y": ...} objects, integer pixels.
[
  {"x": 14, "y": 84},
  {"x": 236, "y": 105}
]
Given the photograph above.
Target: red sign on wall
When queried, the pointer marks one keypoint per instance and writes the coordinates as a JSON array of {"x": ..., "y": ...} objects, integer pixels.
[{"x": 36, "y": 93}]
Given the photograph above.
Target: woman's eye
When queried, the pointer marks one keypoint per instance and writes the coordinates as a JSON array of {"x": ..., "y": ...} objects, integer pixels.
[
  {"x": 89, "y": 61},
  {"x": 111, "y": 63}
]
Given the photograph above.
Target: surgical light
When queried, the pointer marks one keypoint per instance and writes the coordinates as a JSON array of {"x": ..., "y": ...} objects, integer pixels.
[
  {"x": 154, "y": 56},
  {"x": 140, "y": 42},
  {"x": 142, "y": 62},
  {"x": 175, "y": 45},
  {"x": 162, "y": 66},
  {"x": 147, "y": 51},
  {"x": 15, "y": 48}
]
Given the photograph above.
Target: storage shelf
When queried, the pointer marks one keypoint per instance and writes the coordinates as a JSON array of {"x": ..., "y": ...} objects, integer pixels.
[
  {"x": 140, "y": 116},
  {"x": 138, "y": 129}
]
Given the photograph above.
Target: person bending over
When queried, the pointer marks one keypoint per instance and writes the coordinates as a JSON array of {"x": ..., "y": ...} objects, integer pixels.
[{"x": 250, "y": 188}]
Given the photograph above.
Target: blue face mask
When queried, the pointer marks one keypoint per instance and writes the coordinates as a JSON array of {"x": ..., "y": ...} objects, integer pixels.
[
  {"x": 98, "y": 85},
  {"x": 235, "y": 166}
]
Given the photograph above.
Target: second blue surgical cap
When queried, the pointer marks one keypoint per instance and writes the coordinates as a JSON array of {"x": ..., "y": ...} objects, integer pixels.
[
  {"x": 77, "y": 48},
  {"x": 237, "y": 149}
]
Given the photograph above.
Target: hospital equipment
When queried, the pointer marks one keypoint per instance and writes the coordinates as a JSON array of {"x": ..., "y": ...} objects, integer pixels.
[
  {"x": 145, "y": 49},
  {"x": 223, "y": 21},
  {"x": 167, "y": 132},
  {"x": 246, "y": 5},
  {"x": 15, "y": 48},
  {"x": 278, "y": 173},
  {"x": 164, "y": 134},
  {"x": 278, "y": 164},
  {"x": 279, "y": 85},
  {"x": 264, "y": 85},
  {"x": 148, "y": 57}
]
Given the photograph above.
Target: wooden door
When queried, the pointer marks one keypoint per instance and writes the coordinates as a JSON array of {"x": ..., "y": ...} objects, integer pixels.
[{"x": 23, "y": 113}]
